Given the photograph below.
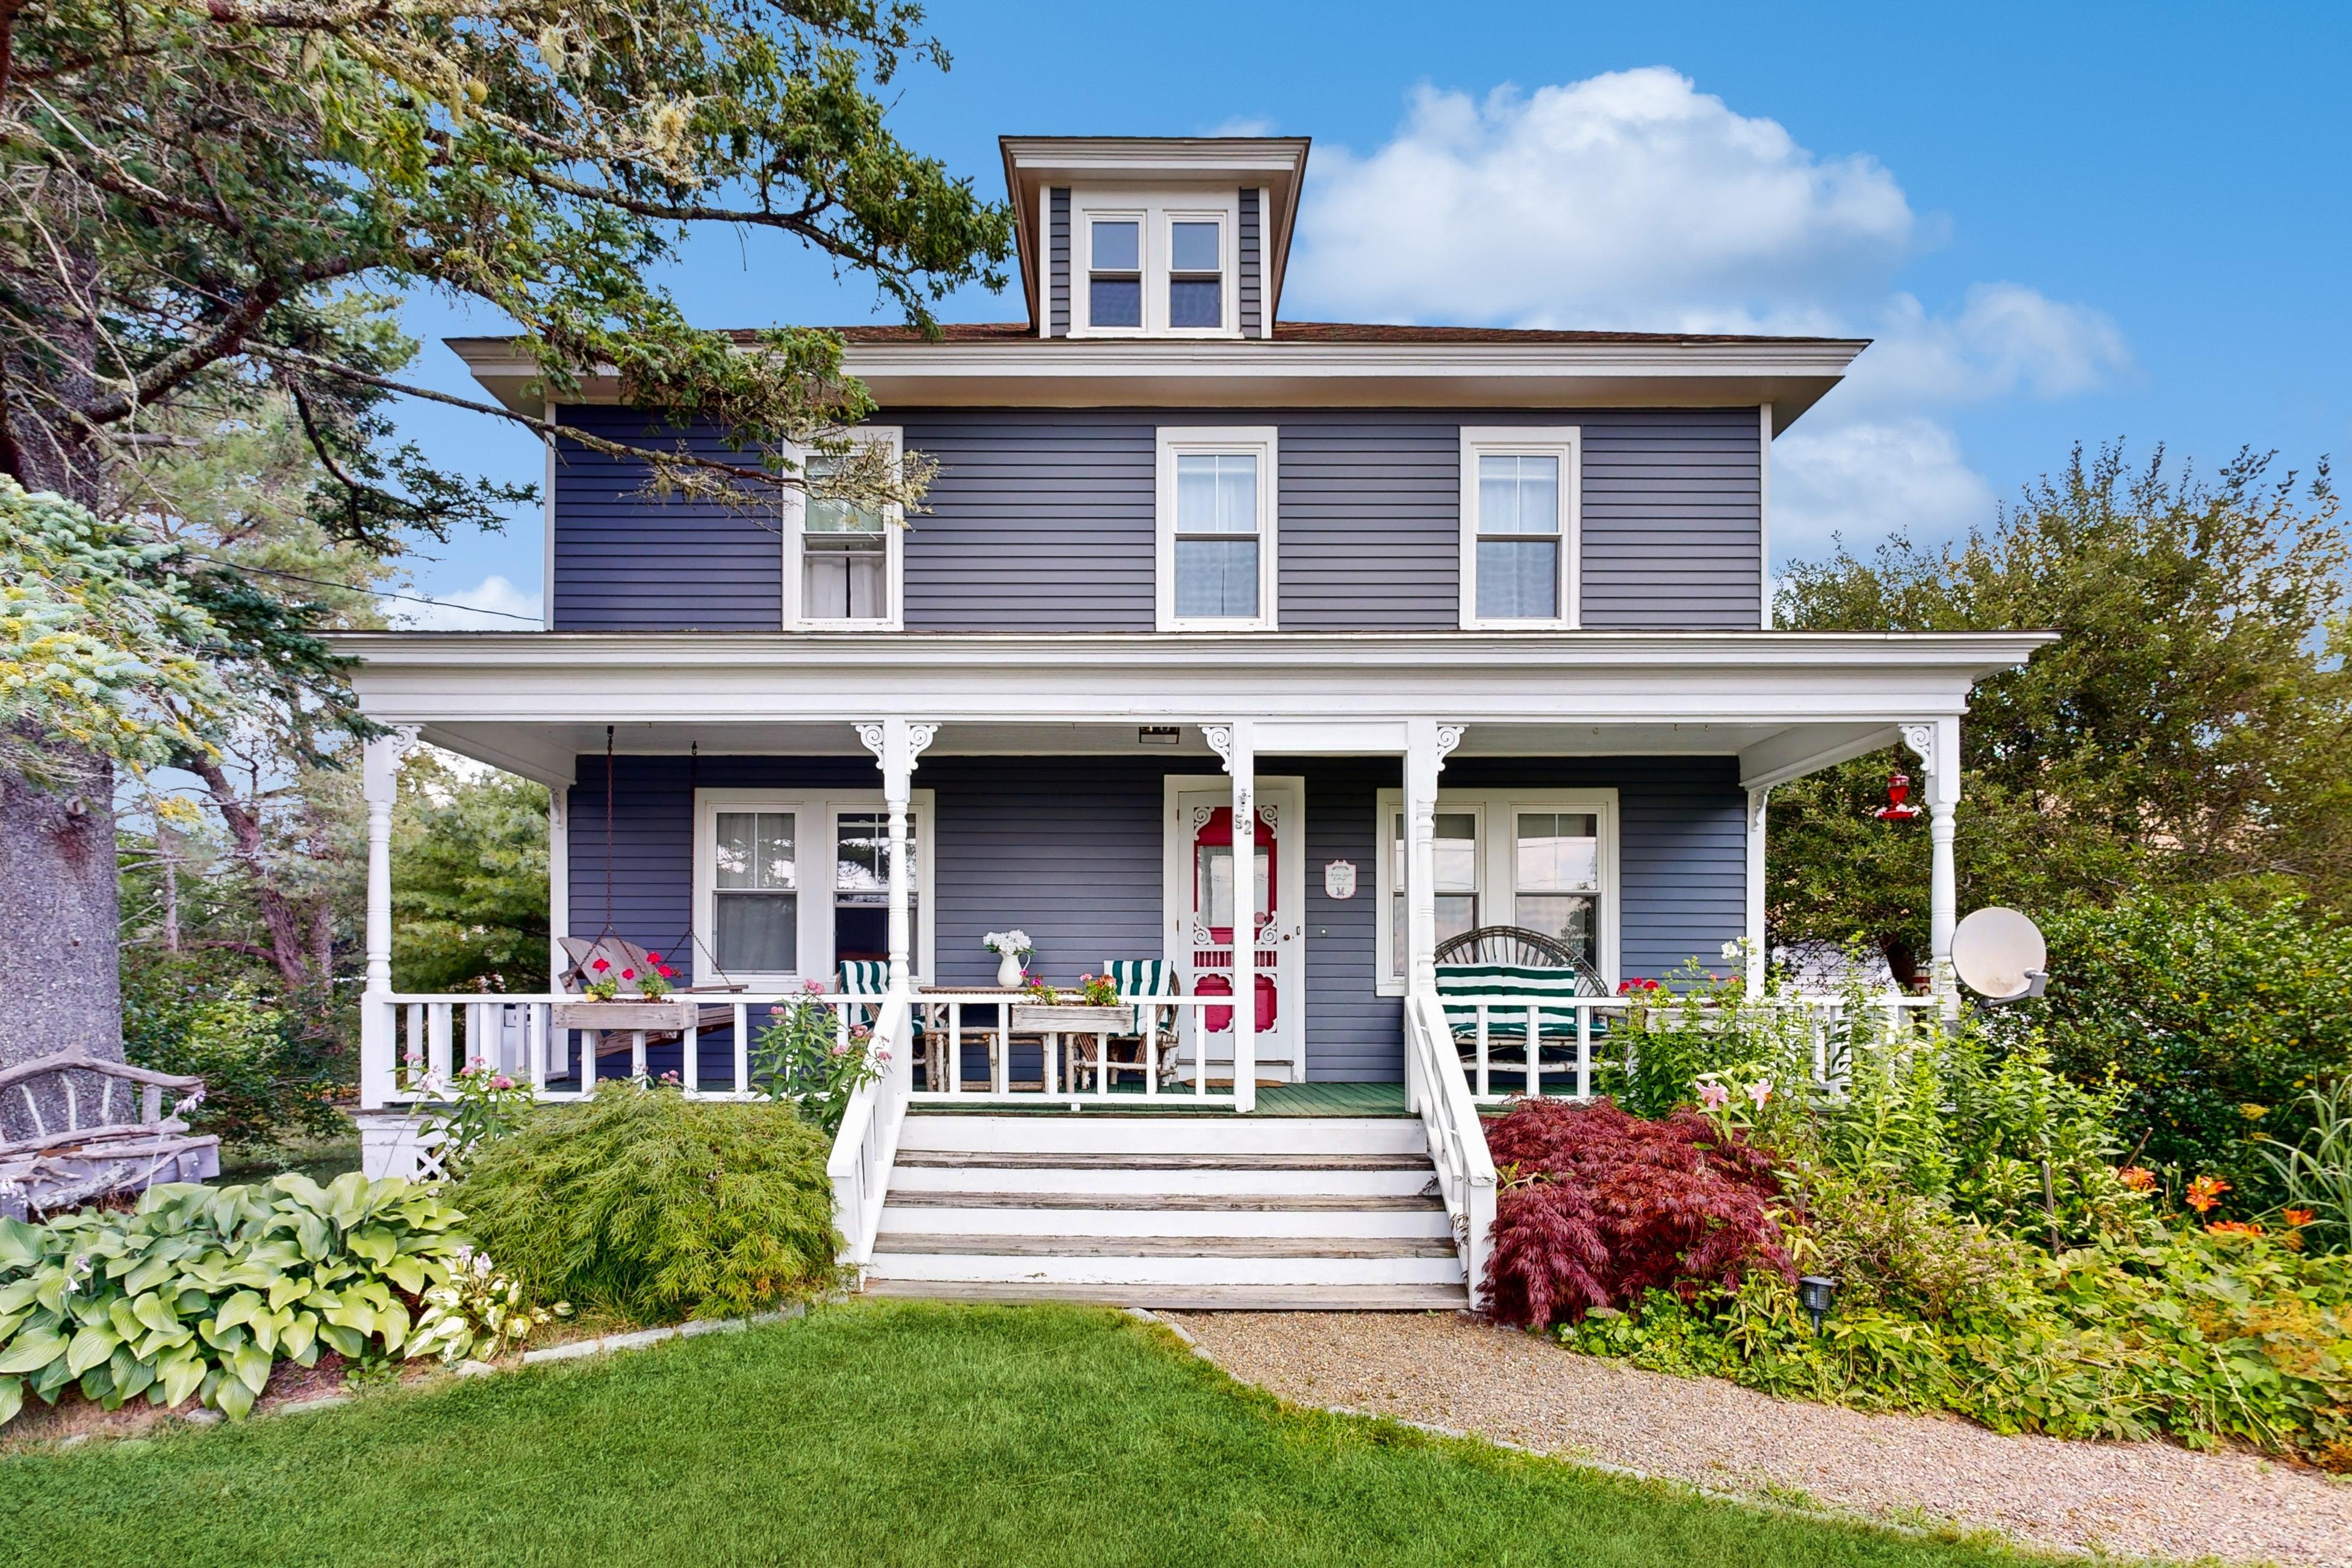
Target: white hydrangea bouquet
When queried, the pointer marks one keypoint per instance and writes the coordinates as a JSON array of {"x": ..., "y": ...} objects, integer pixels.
[{"x": 1013, "y": 949}]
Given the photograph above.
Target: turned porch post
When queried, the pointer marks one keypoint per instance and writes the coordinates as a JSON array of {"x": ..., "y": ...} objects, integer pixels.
[
  {"x": 379, "y": 784},
  {"x": 1427, "y": 742},
  {"x": 895, "y": 743},
  {"x": 1241, "y": 760},
  {"x": 1752, "y": 929},
  {"x": 1939, "y": 748}
]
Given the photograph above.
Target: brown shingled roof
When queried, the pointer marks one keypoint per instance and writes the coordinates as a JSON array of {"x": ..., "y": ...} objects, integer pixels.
[{"x": 1325, "y": 333}]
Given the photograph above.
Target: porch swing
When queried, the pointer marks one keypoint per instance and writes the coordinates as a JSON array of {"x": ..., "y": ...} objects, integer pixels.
[{"x": 619, "y": 955}]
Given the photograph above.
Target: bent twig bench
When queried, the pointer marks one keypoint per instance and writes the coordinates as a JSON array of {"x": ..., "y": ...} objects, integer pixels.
[{"x": 75, "y": 1129}]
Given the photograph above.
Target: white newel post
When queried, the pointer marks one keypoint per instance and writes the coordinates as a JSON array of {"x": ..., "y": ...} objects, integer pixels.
[
  {"x": 1427, "y": 742},
  {"x": 1241, "y": 760},
  {"x": 1939, "y": 748},
  {"x": 379, "y": 782},
  {"x": 1752, "y": 932}
]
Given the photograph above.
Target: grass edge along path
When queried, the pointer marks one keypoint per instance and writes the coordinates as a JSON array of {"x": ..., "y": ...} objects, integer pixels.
[{"x": 903, "y": 1432}]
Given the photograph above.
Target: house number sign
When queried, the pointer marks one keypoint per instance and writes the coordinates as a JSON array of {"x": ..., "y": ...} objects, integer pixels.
[{"x": 1340, "y": 878}]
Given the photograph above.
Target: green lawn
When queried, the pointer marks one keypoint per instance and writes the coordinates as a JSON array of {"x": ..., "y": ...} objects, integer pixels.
[{"x": 881, "y": 1433}]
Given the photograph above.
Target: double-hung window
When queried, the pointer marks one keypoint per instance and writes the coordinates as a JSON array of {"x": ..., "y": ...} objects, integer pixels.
[
  {"x": 1217, "y": 552},
  {"x": 847, "y": 563},
  {"x": 1520, "y": 533},
  {"x": 790, "y": 886},
  {"x": 1115, "y": 271},
  {"x": 1543, "y": 860},
  {"x": 1196, "y": 273}
]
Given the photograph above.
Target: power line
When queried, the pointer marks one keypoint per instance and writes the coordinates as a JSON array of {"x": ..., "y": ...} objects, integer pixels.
[{"x": 377, "y": 593}]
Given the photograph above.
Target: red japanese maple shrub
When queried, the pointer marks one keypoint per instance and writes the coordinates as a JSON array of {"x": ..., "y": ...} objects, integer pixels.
[{"x": 1598, "y": 1207}]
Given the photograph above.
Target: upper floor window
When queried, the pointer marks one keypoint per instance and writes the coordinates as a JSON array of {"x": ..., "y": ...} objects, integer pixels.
[
  {"x": 1216, "y": 529},
  {"x": 845, "y": 558},
  {"x": 1115, "y": 273},
  {"x": 1155, "y": 264},
  {"x": 1520, "y": 528}
]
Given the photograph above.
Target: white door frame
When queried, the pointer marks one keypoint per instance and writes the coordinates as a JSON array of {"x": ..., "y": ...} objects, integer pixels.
[{"x": 1282, "y": 1051}]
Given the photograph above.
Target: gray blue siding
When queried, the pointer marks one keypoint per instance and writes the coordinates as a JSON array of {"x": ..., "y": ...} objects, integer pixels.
[
  {"x": 1041, "y": 520},
  {"x": 1069, "y": 849},
  {"x": 1058, "y": 262},
  {"x": 627, "y": 562},
  {"x": 1251, "y": 326}
]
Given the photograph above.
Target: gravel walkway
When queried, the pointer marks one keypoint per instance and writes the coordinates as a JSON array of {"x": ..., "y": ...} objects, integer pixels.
[{"x": 2129, "y": 1499}]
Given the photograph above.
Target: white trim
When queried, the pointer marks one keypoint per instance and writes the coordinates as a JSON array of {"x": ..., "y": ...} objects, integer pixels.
[
  {"x": 547, "y": 531},
  {"x": 894, "y": 544},
  {"x": 1044, "y": 279},
  {"x": 1565, "y": 442},
  {"x": 1260, "y": 441},
  {"x": 1764, "y": 512},
  {"x": 1153, "y": 209},
  {"x": 821, "y": 808},
  {"x": 1496, "y": 809}
]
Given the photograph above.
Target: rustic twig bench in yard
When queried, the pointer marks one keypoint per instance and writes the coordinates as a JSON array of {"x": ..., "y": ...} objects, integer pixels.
[{"x": 74, "y": 1129}]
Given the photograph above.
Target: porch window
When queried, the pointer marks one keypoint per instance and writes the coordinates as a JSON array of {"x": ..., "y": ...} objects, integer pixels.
[
  {"x": 1217, "y": 549},
  {"x": 1455, "y": 851},
  {"x": 1519, "y": 534},
  {"x": 1543, "y": 860},
  {"x": 755, "y": 924},
  {"x": 789, "y": 884},
  {"x": 846, "y": 578},
  {"x": 861, "y": 885}
]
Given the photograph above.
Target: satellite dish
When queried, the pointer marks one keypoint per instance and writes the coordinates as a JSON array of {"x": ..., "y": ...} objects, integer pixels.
[{"x": 2000, "y": 955}]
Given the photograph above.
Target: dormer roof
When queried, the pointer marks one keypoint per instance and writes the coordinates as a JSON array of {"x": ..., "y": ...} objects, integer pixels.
[{"x": 1035, "y": 164}]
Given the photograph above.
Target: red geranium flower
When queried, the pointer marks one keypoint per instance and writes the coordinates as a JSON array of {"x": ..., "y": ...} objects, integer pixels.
[
  {"x": 628, "y": 974},
  {"x": 667, "y": 972},
  {"x": 653, "y": 959},
  {"x": 600, "y": 966}
]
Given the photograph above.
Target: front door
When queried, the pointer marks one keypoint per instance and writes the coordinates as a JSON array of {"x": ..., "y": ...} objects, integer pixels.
[{"x": 1201, "y": 896}]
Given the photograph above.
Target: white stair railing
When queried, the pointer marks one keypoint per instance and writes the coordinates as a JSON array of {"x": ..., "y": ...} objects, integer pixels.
[
  {"x": 1436, "y": 1090},
  {"x": 867, "y": 1144}
]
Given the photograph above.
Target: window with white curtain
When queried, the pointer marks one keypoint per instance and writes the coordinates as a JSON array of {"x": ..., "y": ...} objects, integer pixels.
[
  {"x": 789, "y": 884},
  {"x": 850, "y": 554},
  {"x": 1217, "y": 545},
  {"x": 1541, "y": 860},
  {"x": 1520, "y": 533}
]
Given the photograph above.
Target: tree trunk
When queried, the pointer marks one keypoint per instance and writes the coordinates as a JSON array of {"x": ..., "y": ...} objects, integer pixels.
[{"x": 60, "y": 918}]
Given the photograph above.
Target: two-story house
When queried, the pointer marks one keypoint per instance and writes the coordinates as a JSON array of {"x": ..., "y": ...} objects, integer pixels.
[{"x": 1467, "y": 629}]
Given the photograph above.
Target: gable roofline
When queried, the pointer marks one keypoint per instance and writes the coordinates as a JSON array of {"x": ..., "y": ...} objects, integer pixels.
[{"x": 1034, "y": 164}]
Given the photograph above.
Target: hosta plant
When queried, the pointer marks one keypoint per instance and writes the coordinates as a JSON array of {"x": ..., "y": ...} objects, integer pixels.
[
  {"x": 478, "y": 1313},
  {"x": 201, "y": 1291}
]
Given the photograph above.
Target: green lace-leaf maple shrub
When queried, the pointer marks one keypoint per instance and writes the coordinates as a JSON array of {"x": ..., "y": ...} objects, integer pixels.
[
  {"x": 201, "y": 1291},
  {"x": 654, "y": 1207}
]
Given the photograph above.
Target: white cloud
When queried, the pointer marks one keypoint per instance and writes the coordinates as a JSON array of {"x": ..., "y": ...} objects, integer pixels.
[
  {"x": 493, "y": 605},
  {"x": 1633, "y": 200},
  {"x": 1865, "y": 480}
]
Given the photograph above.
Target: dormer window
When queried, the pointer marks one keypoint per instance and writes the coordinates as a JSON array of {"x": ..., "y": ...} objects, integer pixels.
[
  {"x": 1152, "y": 264},
  {"x": 1196, "y": 276},
  {"x": 1115, "y": 273}
]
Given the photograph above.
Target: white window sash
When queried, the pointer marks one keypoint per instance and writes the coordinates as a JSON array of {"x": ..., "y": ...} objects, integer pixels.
[
  {"x": 816, "y": 837},
  {"x": 1179, "y": 441},
  {"x": 1498, "y": 810},
  {"x": 797, "y": 615},
  {"x": 1564, "y": 443},
  {"x": 1156, "y": 211}
]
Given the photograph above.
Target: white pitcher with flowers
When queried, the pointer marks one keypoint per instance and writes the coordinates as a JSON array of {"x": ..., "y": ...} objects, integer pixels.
[{"x": 1013, "y": 949}]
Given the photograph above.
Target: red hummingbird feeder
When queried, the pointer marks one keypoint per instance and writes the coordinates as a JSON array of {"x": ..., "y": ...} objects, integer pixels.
[{"x": 1898, "y": 791}]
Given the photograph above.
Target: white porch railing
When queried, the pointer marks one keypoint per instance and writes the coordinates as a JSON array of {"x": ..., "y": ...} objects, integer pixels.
[
  {"x": 1436, "y": 1090},
  {"x": 867, "y": 1144},
  {"x": 948, "y": 1034},
  {"x": 1523, "y": 1028}
]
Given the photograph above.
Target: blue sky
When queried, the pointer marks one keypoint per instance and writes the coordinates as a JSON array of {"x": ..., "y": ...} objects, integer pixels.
[{"x": 2059, "y": 223}]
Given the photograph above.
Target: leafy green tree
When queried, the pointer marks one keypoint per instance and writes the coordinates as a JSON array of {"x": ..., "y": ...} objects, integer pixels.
[
  {"x": 2186, "y": 731},
  {"x": 196, "y": 200},
  {"x": 468, "y": 879}
]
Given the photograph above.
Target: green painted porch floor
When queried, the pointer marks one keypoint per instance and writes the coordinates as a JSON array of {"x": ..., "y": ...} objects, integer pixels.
[{"x": 1274, "y": 1099}]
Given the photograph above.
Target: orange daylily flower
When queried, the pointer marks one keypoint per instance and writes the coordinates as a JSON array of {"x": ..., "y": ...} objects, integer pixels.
[
  {"x": 2206, "y": 1192},
  {"x": 2298, "y": 1218}
]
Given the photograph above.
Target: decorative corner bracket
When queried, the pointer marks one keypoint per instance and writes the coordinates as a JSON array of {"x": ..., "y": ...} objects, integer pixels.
[
  {"x": 1448, "y": 737},
  {"x": 870, "y": 737},
  {"x": 1921, "y": 739},
  {"x": 1220, "y": 741}
]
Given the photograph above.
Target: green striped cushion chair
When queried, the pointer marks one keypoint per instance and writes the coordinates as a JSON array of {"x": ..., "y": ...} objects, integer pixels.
[
  {"x": 1459, "y": 986},
  {"x": 1150, "y": 977},
  {"x": 870, "y": 977}
]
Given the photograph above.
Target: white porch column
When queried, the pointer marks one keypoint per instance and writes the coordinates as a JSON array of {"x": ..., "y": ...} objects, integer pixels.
[
  {"x": 1939, "y": 748},
  {"x": 1427, "y": 742},
  {"x": 559, "y": 882},
  {"x": 1753, "y": 927},
  {"x": 379, "y": 784},
  {"x": 1241, "y": 760},
  {"x": 896, "y": 742}
]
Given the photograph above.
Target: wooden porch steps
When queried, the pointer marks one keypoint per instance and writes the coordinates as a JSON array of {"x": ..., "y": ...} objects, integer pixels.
[{"x": 1260, "y": 1212}]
